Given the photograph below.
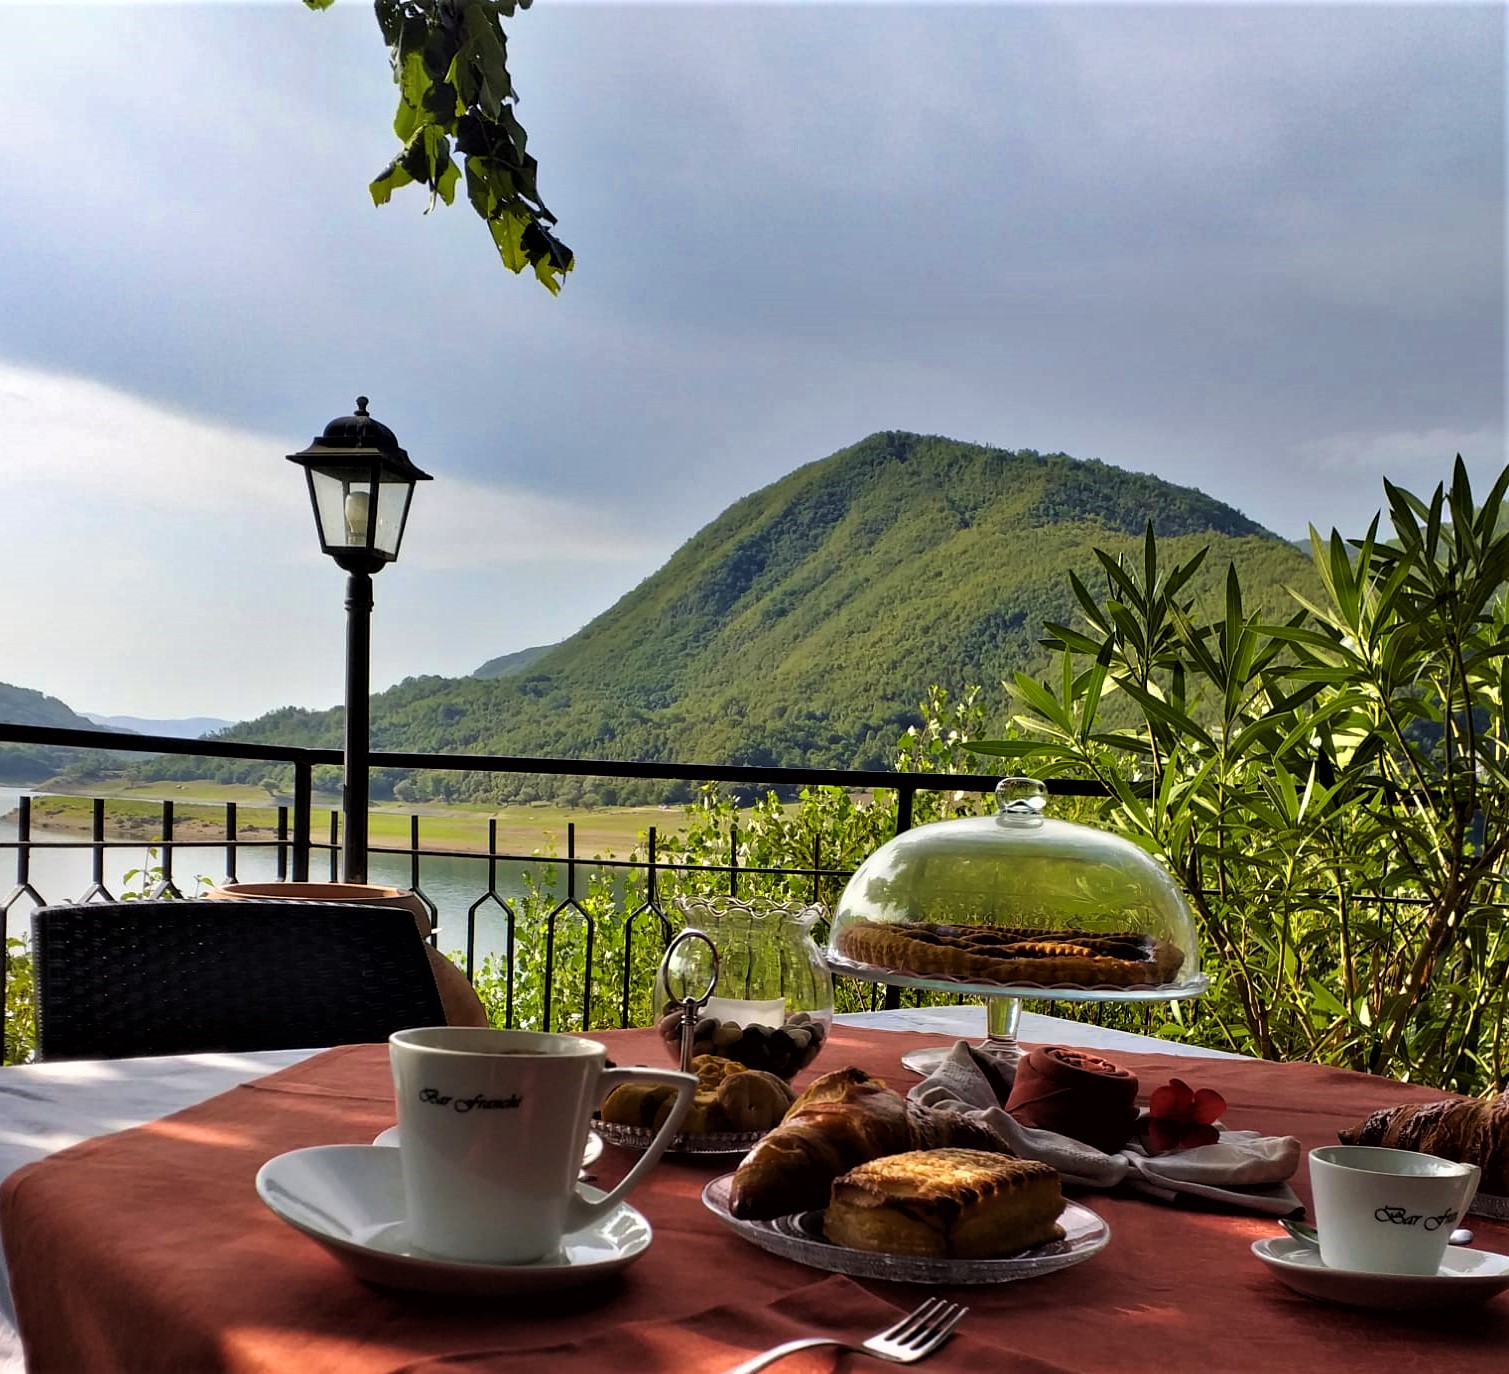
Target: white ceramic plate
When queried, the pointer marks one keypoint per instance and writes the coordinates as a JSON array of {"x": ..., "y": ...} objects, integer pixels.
[
  {"x": 591, "y": 1152},
  {"x": 685, "y": 1143},
  {"x": 349, "y": 1199},
  {"x": 1466, "y": 1276},
  {"x": 800, "y": 1237}
]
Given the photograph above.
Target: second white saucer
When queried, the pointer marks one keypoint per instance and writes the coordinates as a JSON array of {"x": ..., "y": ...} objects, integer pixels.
[{"x": 1466, "y": 1276}]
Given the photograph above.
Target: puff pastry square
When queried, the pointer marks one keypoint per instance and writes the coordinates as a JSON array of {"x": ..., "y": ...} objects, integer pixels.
[{"x": 954, "y": 1204}]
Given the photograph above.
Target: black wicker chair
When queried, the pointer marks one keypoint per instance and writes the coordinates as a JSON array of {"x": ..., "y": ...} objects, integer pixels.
[{"x": 118, "y": 979}]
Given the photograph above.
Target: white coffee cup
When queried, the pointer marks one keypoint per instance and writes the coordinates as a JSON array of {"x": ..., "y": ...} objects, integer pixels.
[
  {"x": 491, "y": 1129},
  {"x": 1384, "y": 1211}
]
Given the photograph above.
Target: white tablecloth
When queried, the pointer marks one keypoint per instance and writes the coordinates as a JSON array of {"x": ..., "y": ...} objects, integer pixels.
[{"x": 48, "y": 1107}]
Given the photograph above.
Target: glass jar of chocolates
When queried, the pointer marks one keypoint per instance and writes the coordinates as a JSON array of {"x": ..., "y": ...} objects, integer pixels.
[{"x": 771, "y": 1005}]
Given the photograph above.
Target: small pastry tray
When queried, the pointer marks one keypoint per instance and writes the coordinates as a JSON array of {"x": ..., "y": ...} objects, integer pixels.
[{"x": 686, "y": 1143}]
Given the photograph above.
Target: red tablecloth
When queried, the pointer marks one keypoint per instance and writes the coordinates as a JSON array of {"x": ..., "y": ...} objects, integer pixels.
[{"x": 149, "y": 1250}]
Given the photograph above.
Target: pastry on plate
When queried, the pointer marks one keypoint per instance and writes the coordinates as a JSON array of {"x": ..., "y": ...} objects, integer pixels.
[
  {"x": 946, "y": 1204},
  {"x": 843, "y": 1119}
]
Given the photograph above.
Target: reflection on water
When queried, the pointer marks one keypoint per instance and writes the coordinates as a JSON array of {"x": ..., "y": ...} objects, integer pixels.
[{"x": 452, "y": 884}]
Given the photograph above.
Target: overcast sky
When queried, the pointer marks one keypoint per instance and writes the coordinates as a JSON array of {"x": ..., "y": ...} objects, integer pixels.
[{"x": 1255, "y": 249}]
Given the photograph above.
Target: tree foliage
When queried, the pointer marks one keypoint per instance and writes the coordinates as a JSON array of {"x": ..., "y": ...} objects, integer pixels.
[
  {"x": 456, "y": 119},
  {"x": 1332, "y": 788}
]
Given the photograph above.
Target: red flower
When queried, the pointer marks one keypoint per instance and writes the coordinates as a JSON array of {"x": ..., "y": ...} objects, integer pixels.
[{"x": 1180, "y": 1118}]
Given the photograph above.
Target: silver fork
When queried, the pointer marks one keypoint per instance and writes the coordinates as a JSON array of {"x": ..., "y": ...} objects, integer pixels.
[{"x": 913, "y": 1338}]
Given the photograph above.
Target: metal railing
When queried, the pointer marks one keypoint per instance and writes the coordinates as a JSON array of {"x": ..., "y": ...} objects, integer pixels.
[{"x": 297, "y": 851}]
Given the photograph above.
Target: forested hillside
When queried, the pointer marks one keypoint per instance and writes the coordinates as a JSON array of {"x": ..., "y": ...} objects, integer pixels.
[
  {"x": 806, "y": 623},
  {"x": 22, "y": 764}
]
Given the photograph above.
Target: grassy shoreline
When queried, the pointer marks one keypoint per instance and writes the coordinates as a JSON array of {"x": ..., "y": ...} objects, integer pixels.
[{"x": 135, "y": 815}]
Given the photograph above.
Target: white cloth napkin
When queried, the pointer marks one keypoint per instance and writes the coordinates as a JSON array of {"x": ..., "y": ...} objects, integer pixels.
[{"x": 1242, "y": 1169}]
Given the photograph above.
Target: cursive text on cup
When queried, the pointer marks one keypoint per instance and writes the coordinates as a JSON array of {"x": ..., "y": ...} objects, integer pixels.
[
  {"x": 1402, "y": 1216},
  {"x": 434, "y": 1098}
]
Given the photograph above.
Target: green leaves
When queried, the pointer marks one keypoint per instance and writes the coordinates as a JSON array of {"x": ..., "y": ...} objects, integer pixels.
[
  {"x": 450, "y": 63},
  {"x": 1334, "y": 789}
]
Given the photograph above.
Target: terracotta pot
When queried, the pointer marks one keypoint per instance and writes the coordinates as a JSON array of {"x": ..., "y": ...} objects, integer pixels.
[{"x": 457, "y": 996}]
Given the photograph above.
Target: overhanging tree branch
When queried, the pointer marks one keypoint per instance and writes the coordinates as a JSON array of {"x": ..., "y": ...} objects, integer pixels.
[{"x": 455, "y": 95}]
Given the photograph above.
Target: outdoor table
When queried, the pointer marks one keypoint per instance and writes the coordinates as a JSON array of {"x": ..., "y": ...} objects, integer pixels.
[{"x": 148, "y": 1249}]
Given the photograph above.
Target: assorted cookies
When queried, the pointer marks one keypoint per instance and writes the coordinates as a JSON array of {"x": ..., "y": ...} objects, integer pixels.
[{"x": 783, "y": 1050}]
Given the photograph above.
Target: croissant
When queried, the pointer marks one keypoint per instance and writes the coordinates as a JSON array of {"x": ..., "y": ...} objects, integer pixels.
[
  {"x": 843, "y": 1120},
  {"x": 1468, "y": 1130}
]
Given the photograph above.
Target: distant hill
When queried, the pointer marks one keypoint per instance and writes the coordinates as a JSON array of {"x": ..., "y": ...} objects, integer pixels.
[
  {"x": 805, "y": 624},
  {"x": 22, "y": 765},
  {"x": 191, "y": 727},
  {"x": 506, "y": 665},
  {"x": 23, "y": 706}
]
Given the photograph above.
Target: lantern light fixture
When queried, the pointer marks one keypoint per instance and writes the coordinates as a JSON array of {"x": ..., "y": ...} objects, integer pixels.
[{"x": 360, "y": 484}]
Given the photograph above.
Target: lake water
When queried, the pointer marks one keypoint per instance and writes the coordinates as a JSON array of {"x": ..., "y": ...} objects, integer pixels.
[{"x": 453, "y": 884}]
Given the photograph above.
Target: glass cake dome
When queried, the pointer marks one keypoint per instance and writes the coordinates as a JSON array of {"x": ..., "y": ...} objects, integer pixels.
[{"x": 1017, "y": 904}]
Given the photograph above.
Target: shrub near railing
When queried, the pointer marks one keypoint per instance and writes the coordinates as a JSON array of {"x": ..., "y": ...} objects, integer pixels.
[
  {"x": 579, "y": 964},
  {"x": 20, "y": 1004},
  {"x": 770, "y": 848}
]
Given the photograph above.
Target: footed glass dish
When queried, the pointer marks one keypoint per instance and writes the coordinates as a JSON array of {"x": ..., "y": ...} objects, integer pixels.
[{"x": 1017, "y": 905}]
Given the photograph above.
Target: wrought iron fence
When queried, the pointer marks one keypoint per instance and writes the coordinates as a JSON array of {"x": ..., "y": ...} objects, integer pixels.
[{"x": 297, "y": 851}]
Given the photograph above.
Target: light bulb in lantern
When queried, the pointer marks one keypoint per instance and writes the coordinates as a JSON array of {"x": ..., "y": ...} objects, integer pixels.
[{"x": 358, "y": 503}]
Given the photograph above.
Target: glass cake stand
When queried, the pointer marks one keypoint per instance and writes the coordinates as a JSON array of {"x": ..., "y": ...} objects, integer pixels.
[
  {"x": 1026, "y": 877},
  {"x": 1003, "y": 1004}
]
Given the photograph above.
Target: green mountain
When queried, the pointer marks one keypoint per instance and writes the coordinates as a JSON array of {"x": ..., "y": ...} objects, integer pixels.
[{"x": 806, "y": 623}]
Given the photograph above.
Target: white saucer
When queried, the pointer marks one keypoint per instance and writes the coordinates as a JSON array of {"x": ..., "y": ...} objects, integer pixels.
[
  {"x": 593, "y": 1149},
  {"x": 1465, "y": 1277},
  {"x": 349, "y": 1198}
]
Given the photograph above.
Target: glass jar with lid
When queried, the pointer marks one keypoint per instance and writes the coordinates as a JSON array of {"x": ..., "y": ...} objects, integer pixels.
[{"x": 771, "y": 1001}]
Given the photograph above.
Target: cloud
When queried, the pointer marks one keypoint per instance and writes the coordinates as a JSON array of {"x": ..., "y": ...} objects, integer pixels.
[
  {"x": 1396, "y": 453},
  {"x": 105, "y": 446},
  {"x": 75, "y": 443}
]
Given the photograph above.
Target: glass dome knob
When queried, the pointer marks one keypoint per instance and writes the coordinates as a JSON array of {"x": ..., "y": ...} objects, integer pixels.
[{"x": 1021, "y": 799}]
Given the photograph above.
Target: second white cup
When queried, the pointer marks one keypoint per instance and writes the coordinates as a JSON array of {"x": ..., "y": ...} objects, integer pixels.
[
  {"x": 491, "y": 1128},
  {"x": 1382, "y": 1211}
]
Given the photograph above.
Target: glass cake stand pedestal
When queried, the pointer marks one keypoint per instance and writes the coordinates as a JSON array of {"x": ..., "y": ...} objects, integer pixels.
[{"x": 1003, "y": 1004}]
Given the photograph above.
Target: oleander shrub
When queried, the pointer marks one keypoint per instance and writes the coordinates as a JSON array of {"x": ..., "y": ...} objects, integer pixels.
[{"x": 1332, "y": 790}]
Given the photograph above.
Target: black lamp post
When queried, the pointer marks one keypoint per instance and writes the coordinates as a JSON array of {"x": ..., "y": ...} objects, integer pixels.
[{"x": 360, "y": 484}]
